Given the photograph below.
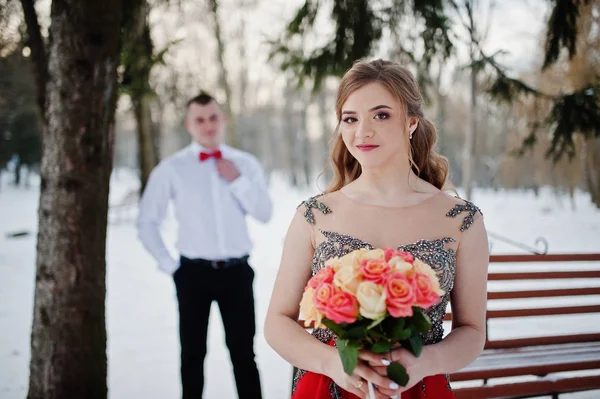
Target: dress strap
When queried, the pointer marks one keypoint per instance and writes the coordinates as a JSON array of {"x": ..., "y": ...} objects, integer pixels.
[
  {"x": 311, "y": 203},
  {"x": 470, "y": 208}
]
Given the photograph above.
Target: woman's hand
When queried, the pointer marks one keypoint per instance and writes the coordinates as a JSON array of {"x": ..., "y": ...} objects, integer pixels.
[
  {"x": 357, "y": 383},
  {"x": 415, "y": 367}
]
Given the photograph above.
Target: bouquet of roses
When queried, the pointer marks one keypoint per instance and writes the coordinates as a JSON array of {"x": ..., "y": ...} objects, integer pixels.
[{"x": 373, "y": 300}]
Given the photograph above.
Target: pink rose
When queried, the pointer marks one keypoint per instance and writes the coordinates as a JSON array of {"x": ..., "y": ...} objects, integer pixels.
[
  {"x": 322, "y": 295},
  {"x": 324, "y": 275},
  {"x": 406, "y": 256},
  {"x": 425, "y": 290},
  {"x": 342, "y": 308},
  {"x": 375, "y": 270},
  {"x": 401, "y": 295},
  {"x": 391, "y": 253}
]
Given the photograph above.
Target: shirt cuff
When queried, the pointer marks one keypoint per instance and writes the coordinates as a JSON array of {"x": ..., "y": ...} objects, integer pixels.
[
  {"x": 240, "y": 186},
  {"x": 169, "y": 266}
]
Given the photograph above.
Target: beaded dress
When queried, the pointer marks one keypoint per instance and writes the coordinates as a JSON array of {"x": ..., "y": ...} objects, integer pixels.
[{"x": 430, "y": 231}]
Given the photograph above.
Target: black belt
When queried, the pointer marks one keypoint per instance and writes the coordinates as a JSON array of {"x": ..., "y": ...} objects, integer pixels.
[{"x": 217, "y": 264}]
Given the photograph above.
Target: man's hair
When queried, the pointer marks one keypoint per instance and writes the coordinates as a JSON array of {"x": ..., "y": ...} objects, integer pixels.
[{"x": 202, "y": 99}]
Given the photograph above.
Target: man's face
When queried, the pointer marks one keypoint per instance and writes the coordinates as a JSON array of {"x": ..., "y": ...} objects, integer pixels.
[{"x": 205, "y": 123}]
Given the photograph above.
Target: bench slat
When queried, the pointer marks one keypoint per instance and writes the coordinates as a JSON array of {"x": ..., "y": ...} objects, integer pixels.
[
  {"x": 541, "y": 341},
  {"x": 495, "y": 314},
  {"x": 591, "y": 257},
  {"x": 544, "y": 275},
  {"x": 544, "y": 387},
  {"x": 543, "y": 293},
  {"x": 538, "y": 361}
]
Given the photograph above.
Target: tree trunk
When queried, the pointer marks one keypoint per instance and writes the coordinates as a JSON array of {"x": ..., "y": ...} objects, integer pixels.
[
  {"x": 243, "y": 62},
  {"x": 326, "y": 135},
  {"x": 68, "y": 339},
  {"x": 469, "y": 149},
  {"x": 147, "y": 148},
  {"x": 592, "y": 168},
  {"x": 38, "y": 53},
  {"x": 290, "y": 131},
  {"x": 306, "y": 158},
  {"x": 232, "y": 138},
  {"x": 138, "y": 63},
  {"x": 18, "y": 165}
]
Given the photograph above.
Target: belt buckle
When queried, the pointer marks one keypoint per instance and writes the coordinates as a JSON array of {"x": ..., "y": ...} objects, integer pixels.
[{"x": 218, "y": 264}]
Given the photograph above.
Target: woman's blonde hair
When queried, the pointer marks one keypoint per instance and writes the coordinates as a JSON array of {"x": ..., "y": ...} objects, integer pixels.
[{"x": 424, "y": 160}]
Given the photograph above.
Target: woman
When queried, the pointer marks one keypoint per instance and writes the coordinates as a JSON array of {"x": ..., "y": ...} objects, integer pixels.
[{"x": 386, "y": 193}]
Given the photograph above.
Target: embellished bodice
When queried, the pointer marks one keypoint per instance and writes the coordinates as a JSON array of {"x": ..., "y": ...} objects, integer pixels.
[
  {"x": 435, "y": 252},
  {"x": 439, "y": 253}
]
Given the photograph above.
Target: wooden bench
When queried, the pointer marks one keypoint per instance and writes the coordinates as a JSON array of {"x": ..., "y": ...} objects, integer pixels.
[
  {"x": 535, "y": 358},
  {"x": 530, "y": 364}
]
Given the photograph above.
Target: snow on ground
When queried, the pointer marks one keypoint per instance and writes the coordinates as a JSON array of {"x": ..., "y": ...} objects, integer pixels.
[{"x": 143, "y": 347}]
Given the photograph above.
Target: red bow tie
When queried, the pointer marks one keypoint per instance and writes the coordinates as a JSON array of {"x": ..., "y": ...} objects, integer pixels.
[{"x": 206, "y": 155}]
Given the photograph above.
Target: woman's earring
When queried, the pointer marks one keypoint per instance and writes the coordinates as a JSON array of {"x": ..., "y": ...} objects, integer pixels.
[{"x": 411, "y": 134}]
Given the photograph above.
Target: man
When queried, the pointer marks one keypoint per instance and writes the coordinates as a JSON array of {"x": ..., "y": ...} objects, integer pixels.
[{"x": 213, "y": 187}]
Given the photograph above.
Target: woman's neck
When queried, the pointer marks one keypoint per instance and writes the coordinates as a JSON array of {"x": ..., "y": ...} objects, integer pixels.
[{"x": 393, "y": 186}]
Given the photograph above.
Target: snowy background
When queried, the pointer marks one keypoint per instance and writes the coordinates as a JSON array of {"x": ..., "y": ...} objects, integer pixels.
[{"x": 143, "y": 347}]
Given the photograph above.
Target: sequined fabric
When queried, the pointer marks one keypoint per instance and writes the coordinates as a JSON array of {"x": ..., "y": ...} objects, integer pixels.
[
  {"x": 311, "y": 203},
  {"x": 468, "y": 207}
]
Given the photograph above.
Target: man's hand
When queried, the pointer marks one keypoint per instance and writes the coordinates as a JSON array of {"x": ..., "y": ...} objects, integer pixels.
[{"x": 227, "y": 170}]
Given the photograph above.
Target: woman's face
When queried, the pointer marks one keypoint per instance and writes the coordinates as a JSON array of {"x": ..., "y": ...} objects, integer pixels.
[{"x": 373, "y": 127}]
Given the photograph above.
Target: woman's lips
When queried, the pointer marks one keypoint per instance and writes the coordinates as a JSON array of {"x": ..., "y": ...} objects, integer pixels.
[{"x": 366, "y": 147}]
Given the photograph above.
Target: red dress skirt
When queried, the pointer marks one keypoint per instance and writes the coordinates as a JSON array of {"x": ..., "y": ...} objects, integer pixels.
[{"x": 309, "y": 385}]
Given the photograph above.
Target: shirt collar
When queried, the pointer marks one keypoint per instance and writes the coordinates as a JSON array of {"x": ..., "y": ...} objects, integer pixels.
[{"x": 197, "y": 149}]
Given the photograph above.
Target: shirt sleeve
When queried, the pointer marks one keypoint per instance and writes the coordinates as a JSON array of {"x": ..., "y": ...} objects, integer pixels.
[
  {"x": 152, "y": 210},
  {"x": 250, "y": 189}
]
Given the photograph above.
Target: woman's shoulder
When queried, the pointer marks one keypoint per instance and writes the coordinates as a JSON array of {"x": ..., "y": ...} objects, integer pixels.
[
  {"x": 322, "y": 203},
  {"x": 456, "y": 207}
]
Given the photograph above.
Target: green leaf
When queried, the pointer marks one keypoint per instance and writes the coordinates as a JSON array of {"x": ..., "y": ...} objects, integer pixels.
[
  {"x": 414, "y": 344},
  {"x": 397, "y": 373},
  {"x": 349, "y": 353},
  {"x": 382, "y": 346},
  {"x": 359, "y": 331},
  {"x": 420, "y": 320},
  {"x": 400, "y": 334},
  {"x": 335, "y": 327},
  {"x": 396, "y": 329}
]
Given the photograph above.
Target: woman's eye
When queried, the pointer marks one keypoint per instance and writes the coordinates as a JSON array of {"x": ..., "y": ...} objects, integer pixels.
[
  {"x": 350, "y": 120},
  {"x": 382, "y": 115}
]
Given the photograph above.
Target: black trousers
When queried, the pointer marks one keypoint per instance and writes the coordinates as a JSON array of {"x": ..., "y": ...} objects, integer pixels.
[{"x": 198, "y": 285}]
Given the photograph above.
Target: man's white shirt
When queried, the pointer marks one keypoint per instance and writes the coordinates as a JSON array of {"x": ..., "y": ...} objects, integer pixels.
[{"x": 210, "y": 211}]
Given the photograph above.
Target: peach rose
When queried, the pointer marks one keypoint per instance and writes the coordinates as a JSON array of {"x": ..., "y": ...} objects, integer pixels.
[
  {"x": 308, "y": 311},
  {"x": 398, "y": 264},
  {"x": 426, "y": 295},
  {"x": 374, "y": 254},
  {"x": 323, "y": 293},
  {"x": 401, "y": 295},
  {"x": 335, "y": 263},
  {"x": 342, "y": 308},
  {"x": 353, "y": 259},
  {"x": 375, "y": 270},
  {"x": 371, "y": 298},
  {"x": 347, "y": 279},
  {"x": 420, "y": 267},
  {"x": 325, "y": 275}
]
